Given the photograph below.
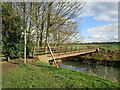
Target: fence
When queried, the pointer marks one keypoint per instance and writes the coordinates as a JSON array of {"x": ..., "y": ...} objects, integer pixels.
[{"x": 61, "y": 50}]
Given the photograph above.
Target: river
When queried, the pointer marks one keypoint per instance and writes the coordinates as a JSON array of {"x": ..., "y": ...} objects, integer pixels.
[{"x": 106, "y": 72}]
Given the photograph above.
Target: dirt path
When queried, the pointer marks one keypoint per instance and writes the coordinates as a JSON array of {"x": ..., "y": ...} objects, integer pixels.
[{"x": 7, "y": 66}]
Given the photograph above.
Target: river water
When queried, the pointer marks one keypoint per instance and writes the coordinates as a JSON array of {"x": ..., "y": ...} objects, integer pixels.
[{"x": 106, "y": 72}]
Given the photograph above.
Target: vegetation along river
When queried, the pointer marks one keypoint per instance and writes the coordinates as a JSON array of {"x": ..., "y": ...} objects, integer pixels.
[{"x": 106, "y": 72}]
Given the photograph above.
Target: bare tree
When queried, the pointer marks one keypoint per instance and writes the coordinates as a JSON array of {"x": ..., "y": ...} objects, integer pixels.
[{"x": 49, "y": 21}]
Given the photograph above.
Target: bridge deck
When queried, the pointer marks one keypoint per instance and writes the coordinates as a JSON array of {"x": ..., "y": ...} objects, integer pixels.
[{"x": 72, "y": 54}]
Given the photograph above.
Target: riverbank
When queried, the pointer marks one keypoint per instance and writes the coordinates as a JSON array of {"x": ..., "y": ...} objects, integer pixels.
[
  {"x": 105, "y": 72},
  {"x": 103, "y": 57},
  {"x": 42, "y": 75}
]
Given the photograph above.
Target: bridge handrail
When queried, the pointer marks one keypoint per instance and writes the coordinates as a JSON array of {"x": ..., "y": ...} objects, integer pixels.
[{"x": 63, "y": 49}]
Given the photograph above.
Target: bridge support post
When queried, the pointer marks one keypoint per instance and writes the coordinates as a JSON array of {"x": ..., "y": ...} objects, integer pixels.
[
  {"x": 52, "y": 55},
  {"x": 97, "y": 50}
]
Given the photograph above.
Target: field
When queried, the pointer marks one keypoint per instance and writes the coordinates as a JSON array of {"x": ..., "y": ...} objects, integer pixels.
[
  {"x": 45, "y": 76},
  {"x": 109, "y": 46},
  {"x": 104, "y": 46}
]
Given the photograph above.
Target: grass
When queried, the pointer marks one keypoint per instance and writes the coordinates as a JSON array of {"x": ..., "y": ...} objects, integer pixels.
[
  {"x": 109, "y": 46},
  {"x": 112, "y": 55},
  {"x": 105, "y": 46},
  {"x": 46, "y": 76}
]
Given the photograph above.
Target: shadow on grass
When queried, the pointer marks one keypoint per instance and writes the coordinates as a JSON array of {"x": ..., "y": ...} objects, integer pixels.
[{"x": 47, "y": 66}]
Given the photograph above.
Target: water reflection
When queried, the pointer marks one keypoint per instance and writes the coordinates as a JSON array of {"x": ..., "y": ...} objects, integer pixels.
[{"x": 106, "y": 72}]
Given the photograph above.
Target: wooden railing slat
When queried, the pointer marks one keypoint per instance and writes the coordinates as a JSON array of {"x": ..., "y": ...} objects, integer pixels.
[{"x": 64, "y": 49}]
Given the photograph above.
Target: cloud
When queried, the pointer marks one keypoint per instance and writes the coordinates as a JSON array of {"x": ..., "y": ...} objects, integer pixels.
[
  {"x": 104, "y": 28},
  {"x": 104, "y": 33},
  {"x": 101, "y": 10}
]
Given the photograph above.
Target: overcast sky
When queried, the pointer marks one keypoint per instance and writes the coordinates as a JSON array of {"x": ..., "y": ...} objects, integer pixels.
[{"x": 98, "y": 22}]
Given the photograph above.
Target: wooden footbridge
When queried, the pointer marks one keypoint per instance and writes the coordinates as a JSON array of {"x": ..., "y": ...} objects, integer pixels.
[
  {"x": 63, "y": 51},
  {"x": 72, "y": 54}
]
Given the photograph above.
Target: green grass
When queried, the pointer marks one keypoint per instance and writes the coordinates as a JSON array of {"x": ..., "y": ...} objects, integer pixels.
[
  {"x": 46, "y": 76},
  {"x": 109, "y": 46},
  {"x": 105, "y": 46},
  {"x": 103, "y": 54}
]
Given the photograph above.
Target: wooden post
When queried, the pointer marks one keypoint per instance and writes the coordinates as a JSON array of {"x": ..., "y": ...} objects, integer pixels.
[
  {"x": 52, "y": 55},
  {"x": 108, "y": 47},
  {"x": 8, "y": 59},
  {"x": 44, "y": 50},
  {"x": 40, "y": 50},
  {"x": 25, "y": 47},
  {"x": 59, "y": 50},
  {"x": 33, "y": 52},
  {"x": 99, "y": 46},
  {"x": 79, "y": 48},
  {"x": 71, "y": 49},
  {"x": 76, "y": 49},
  {"x": 66, "y": 50}
]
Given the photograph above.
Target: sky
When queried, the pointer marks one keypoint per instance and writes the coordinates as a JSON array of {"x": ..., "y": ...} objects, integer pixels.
[{"x": 99, "y": 22}]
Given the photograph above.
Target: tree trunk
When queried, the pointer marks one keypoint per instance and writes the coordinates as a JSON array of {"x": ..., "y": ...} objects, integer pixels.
[
  {"x": 48, "y": 25},
  {"x": 42, "y": 27}
]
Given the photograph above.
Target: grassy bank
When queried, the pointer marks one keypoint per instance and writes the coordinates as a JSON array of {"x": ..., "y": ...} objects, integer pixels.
[
  {"x": 104, "y": 54},
  {"x": 46, "y": 76}
]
